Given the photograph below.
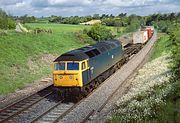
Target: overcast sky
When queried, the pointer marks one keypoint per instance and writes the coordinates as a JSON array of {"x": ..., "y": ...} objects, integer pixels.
[{"x": 88, "y": 7}]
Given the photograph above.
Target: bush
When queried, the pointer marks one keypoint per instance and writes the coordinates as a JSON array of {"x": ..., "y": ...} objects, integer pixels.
[
  {"x": 6, "y": 21},
  {"x": 3, "y": 33},
  {"x": 84, "y": 38},
  {"x": 176, "y": 52},
  {"x": 99, "y": 32}
]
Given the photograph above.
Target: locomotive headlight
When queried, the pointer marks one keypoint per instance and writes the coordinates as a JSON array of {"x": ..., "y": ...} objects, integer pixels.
[
  {"x": 70, "y": 76},
  {"x": 61, "y": 77}
]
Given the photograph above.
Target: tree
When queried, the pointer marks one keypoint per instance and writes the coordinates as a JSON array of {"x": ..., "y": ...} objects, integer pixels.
[
  {"x": 6, "y": 21},
  {"x": 122, "y": 14},
  {"x": 99, "y": 32},
  {"x": 96, "y": 16}
]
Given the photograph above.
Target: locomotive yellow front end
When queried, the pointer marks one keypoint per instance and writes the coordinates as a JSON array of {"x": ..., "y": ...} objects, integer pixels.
[{"x": 67, "y": 74}]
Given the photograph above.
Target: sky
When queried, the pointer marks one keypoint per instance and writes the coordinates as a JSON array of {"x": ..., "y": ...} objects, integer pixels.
[{"x": 40, "y": 8}]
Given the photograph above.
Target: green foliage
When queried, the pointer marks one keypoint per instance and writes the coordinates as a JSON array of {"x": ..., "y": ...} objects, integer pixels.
[
  {"x": 6, "y": 21},
  {"x": 99, "y": 32},
  {"x": 164, "y": 22},
  {"x": 27, "y": 19},
  {"x": 83, "y": 37},
  {"x": 134, "y": 23},
  {"x": 118, "y": 22},
  {"x": 162, "y": 45},
  {"x": 3, "y": 33},
  {"x": 171, "y": 111},
  {"x": 175, "y": 40},
  {"x": 69, "y": 20}
]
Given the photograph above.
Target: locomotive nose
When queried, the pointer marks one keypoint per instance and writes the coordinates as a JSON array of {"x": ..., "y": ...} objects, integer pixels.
[{"x": 66, "y": 79}]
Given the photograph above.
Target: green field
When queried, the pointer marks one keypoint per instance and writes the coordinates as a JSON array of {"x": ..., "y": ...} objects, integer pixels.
[
  {"x": 57, "y": 28},
  {"x": 25, "y": 57}
]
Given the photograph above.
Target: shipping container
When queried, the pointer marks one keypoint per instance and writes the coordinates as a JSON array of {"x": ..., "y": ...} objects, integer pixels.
[
  {"x": 150, "y": 27},
  {"x": 149, "y": 31},
  {"x": 140, "y": 37}
]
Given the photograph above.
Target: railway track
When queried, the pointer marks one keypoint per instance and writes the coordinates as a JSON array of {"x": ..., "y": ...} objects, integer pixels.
[
  {"x": 53, "y": 114},
  {"x": 13, "y": 110},
  {"x": 132, "y": 49}
]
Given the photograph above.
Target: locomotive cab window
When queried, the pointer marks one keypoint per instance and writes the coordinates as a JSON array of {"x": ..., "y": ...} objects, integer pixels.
[
  {"x": 83, "y": 66},
  {"x": 59, "y": 66},
  {"x": 72, "y": 66}
]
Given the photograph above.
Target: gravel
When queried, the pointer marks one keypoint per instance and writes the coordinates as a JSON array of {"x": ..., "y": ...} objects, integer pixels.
[
  {"x": 28, "y": 90},
  {"x": 100, "y": 95}
]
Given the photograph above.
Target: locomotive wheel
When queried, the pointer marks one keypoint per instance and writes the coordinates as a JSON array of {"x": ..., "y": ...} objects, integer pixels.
[
  {"x": 112, "y": 71},
  {"x": 96, "y": 83},
  {"x": 101, "y": 79}
]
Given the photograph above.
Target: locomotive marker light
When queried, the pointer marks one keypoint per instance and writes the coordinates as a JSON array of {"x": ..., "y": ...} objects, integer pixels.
[
  {"x": 112, "y": 56},
  {"x": 92, "y": 68}
]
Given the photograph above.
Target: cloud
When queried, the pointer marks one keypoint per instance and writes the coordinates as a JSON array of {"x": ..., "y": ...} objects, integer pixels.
[
  {"x": 88, "y": 7},
  {"x": 60, "y": 3},
  {"x": 10, "y": 2}
]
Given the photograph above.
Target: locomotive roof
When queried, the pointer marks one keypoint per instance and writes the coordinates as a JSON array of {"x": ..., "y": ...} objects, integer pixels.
[{"x": 88, "y": 51}]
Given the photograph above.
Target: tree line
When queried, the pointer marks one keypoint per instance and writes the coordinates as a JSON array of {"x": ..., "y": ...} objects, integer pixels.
[{"x": 132, "y": 22}]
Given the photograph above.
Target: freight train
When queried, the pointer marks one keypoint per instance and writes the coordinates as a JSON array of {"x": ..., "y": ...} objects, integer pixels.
[
  {"x": 143, "y": 35},
  {"x": 81, "y": 70}
]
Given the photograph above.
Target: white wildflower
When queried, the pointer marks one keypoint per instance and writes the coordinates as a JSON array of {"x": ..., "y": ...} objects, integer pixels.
[{"x": 133, "y": 105}]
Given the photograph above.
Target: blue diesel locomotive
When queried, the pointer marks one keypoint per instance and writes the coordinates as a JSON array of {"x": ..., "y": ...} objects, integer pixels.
[{"x": 81, "y": 70}]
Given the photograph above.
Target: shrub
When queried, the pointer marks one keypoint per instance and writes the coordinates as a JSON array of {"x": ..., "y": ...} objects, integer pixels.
[
  {"x": 99, "y": 32},
  {"x": 6, "y": 21},
  {"x": 84, "y": 38}
]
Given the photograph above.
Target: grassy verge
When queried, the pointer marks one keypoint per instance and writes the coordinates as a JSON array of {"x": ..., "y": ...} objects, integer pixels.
[
  {"x": 161, "y": 46},
  {"x": 171, "y": 111}
]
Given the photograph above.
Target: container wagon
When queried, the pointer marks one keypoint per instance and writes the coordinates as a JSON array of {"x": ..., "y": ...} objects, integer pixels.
[{"x": 140, "y": 37}]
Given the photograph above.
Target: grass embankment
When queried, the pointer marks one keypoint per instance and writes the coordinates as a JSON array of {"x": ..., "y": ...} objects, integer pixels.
[
  {"x": 161, "y": 46},
  {"x": 154, "y": 99},
  {"x": 28, "y": 57}
]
